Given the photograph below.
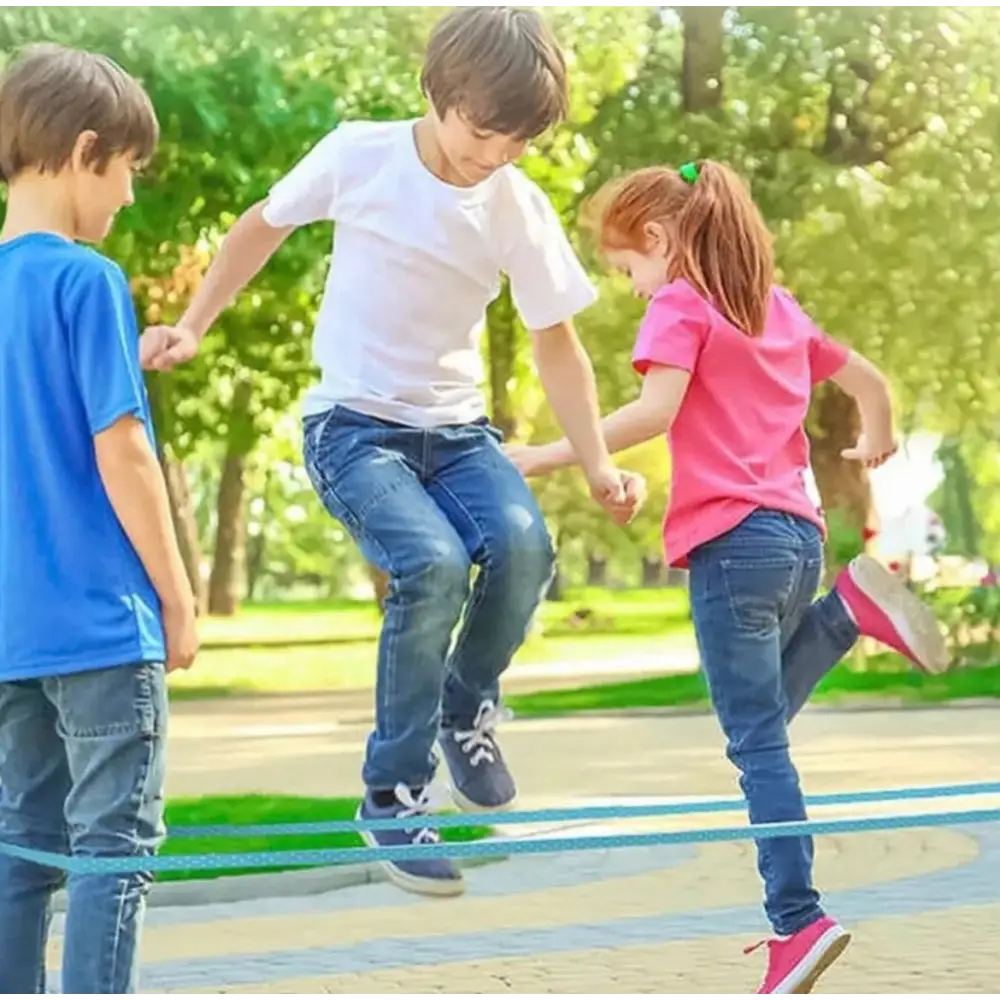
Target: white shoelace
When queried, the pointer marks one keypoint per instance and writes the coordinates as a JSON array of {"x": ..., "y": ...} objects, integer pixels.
[
  {"x": 428, "y": 801},
  {"x": 477, "y": 743}
]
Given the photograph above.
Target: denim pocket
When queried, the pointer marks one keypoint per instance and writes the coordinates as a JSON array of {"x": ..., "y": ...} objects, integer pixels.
[
  {"x": 119, "y": 701},
  {"x": 759, "y": 590}
]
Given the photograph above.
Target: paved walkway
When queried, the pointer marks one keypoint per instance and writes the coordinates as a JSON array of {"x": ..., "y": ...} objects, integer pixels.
[{"x": 924, "y": 904}]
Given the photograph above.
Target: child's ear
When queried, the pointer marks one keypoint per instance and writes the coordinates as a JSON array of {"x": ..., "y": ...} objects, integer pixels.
[
  {"x": 656, "y": 239},
  {"x": 83, "y": 150}
]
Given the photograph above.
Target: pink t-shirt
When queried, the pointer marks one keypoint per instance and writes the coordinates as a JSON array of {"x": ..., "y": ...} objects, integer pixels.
[{"x": 738, "y": 442}]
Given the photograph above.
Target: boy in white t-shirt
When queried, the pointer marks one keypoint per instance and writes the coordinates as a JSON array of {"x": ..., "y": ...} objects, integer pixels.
[{"x": 429, "y": 214}]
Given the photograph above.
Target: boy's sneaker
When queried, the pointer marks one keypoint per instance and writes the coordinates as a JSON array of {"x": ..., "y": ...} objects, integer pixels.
[
  {"x": 428, "y": 877},
  {"x": 480, "y": 777},
  {"x": 884, "y": 609},
  {"x": 795, "y": 963}
]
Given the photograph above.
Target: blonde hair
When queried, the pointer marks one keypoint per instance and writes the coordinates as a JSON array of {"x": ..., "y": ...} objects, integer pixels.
[{"x": 716, "y": 237}]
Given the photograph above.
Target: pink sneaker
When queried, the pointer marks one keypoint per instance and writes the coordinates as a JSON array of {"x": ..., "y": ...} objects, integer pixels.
[
  {"x": 794, "y": 964},
  {"x": 885, "y": 610}
]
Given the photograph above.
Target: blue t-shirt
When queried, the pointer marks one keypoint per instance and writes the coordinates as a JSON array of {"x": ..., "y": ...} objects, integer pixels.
[{"x": 74, "y": 595}]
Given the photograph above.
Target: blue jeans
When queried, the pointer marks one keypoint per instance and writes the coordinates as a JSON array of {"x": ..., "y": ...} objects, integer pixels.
[
  {"x": 425, "y": 506},
  {"x": 81, "y": 772},
  {"x": 764, "y": 647}
]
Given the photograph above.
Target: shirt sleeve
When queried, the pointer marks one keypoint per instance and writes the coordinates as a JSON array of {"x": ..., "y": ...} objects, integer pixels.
[
  {"x": 308, "y": 192},
  {"x": 548, "y": 283},
  {"x": 104, "y": 348},
  {"x": 826, "y": 355},
  {"x": 672, "y": 332}
]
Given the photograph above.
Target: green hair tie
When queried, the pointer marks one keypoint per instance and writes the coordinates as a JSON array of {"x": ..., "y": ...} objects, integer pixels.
[{"x": 689, "y": 173}]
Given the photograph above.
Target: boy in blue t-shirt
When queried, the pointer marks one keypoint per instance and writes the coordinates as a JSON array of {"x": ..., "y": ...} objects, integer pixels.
[{"x": 95, "y": 605}]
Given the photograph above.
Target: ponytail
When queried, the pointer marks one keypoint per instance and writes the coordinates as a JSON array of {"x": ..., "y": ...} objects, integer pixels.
[{"x": 717, "y": 239}]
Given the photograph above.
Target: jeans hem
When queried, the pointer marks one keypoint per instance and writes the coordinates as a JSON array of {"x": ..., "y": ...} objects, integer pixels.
[{"x": 795, "y": 926}]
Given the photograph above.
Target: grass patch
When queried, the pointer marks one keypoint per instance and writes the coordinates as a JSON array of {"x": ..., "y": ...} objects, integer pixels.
[
  {"x": 590, "y": 611},
  {"x": 237, "y": 656},
  {"x": 258, "y": 809},
  {"x": 885, "y": 676}
]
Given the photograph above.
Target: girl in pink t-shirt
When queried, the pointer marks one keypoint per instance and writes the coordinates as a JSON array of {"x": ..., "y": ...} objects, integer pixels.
[{"x": 728, "y": 362}]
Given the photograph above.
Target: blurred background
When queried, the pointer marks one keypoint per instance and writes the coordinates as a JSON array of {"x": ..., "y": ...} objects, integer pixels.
[{"x": 870, "y": 136}]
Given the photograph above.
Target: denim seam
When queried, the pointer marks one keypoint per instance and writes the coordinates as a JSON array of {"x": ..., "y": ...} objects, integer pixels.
[
  {"x": 141, "y": 790},
  {"x": 355, "y": 527}
]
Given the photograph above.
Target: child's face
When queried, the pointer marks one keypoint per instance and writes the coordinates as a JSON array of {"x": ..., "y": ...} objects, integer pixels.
[
  {"x": 98, "y": 197},
  {"x": 648, "y": 271},
  {"x": 473, "y": 153}
]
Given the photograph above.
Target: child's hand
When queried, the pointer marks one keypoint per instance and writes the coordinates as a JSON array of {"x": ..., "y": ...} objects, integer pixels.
[
  {"x": 872, "y": 453},
  {"x": 180, "y": 629},
  {"x": 633, "y": 495},
  {"x": 161, "y": 348}
]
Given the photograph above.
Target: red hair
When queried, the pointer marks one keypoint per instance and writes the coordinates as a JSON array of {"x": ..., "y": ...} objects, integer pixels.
[{"x": 716, "y": 237}]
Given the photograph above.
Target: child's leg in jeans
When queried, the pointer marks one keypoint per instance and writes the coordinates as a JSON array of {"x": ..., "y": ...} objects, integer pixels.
[
  {"x": 114, "y": 723},
  {"x": 495, "y": 513},
  {"x": 368, "y": 473},
  {"x": 503, "y": 529},
  {"x": 34, "y": 783},
  {"x": 865, "y": 600},
  {"x": 816, "y": 640},
  {"x": 741, "y": 586}
]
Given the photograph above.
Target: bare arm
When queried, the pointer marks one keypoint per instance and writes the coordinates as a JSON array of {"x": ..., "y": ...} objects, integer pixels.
[
  {"x": 862, "y": 380},
  {"x": 567, "y": 376},
  {"x": 135, "y": 486},
  {"x": 648, "y": 417},
  {"x": 248, "y": 246}
]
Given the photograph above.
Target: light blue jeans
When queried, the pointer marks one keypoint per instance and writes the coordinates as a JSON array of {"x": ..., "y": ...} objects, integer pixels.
[
  {"x": 425, "y": 506},
  {"x": 765, "y": 645},
  {"x": 81, "y": 772}
]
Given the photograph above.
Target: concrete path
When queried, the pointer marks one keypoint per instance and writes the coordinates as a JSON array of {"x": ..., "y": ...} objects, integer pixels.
[{"x": 924, "y": 905}]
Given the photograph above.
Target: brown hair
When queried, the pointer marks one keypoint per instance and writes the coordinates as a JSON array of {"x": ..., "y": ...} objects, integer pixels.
[
  {"x": 716, "y": 237},
  {"x": 501, "y": 67},
  {"x": 50, "y": 94}
]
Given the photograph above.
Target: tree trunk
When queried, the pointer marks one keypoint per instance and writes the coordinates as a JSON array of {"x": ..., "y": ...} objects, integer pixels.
[
  {"x": 652, "y": 571},
  {"x": 844, "y": 486},
  {"x": 597, "y": 571},
  {"x": 185, "y": 525},
  {"x": 256, "y": 545},
  {"x": 501, "y": 339},
  {"x": 230, "y": 538},
  {"x": 701, "y": 69},
  {"x": 957, "y": 489},
  {"x": 182, "y": 512}
]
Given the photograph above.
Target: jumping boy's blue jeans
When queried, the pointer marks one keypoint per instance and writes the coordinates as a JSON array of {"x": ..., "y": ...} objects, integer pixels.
[
  {"x": 81, "y": 772},
  {"x": 764, "y": 646},
  {"x": 425, "y": 506}
]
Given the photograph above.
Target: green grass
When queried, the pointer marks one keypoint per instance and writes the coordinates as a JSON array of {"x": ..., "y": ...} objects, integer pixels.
[
  {"x": 259, "y": 809},
  {"x": 336, "y": 622},
  {"x": 886, "y": 676},
  {"x": 331, "y": 646}
]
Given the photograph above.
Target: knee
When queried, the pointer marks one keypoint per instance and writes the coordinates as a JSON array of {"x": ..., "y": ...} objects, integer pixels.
[
  {"x": 521, "y": 548},
  {"x": 436, "y": 572}
]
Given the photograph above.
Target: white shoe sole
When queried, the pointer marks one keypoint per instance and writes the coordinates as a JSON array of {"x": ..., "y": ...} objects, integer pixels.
[
  {"x": 819, "y": 958},
  {"x": 466, "y": 805},
  {"x": 437, "y": 887},
  {"x": 912, "y": 619}
]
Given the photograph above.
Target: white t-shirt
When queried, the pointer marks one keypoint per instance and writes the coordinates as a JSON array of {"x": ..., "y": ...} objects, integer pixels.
[{"x": 415, "y": 264}]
